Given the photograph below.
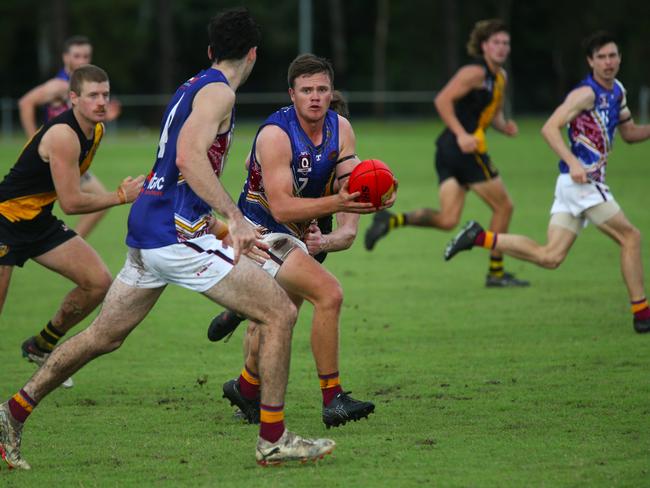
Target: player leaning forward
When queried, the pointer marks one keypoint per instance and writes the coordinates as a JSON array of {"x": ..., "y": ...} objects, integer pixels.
[
  {"x": 592, "y": 111},
  {"x": 169, "y": 243},
  {"x": 50, "y": 168},
  {"x": 296, "y": 153}
]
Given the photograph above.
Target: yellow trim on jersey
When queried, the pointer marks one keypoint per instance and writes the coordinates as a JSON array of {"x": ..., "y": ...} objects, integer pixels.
[
  {"x": 26, "y": 207},
  {"x": 488, "y": 113},
  {"x": 99, "y": 133},
  {"x": 191, "y": 229}
]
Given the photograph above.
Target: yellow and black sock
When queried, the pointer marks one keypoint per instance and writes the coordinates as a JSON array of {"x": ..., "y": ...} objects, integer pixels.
[
  {"x": 46, "y": 340},
  {"x": 397, "y": 220},
  {"x": 496, "y": 267}
]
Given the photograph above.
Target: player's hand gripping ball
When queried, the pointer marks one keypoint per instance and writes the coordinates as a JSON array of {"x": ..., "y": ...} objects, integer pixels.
[{"x": 374, "y": 180}]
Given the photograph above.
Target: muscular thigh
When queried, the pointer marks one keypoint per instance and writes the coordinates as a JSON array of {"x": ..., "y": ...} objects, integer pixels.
[
  {"x": 616, "y": 227},
  {"x": 76, "y": 260},
  {"x": 248, "y": 290},
  {"x": 301, "y": 275}
]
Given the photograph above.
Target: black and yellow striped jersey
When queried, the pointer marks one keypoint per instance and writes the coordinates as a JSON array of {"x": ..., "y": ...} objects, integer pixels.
[
  {"x": 28, "y": 189},
  {"x": 476, "y": 110}
]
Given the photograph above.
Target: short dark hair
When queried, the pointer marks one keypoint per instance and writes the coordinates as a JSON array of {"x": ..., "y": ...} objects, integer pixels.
[
  {"x": 232, "y": 33},
  {"x": 482, "y": 31},
  {"x": 75, "y": 41},
  {"x": 309, "y": 64},
  {"x": 597, "y": 40},
  {"x": 87, "y": 72}
]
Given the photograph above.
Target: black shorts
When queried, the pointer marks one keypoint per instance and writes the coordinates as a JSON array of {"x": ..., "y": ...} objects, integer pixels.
[
  {"x": 26, "y": 239},
  {"x": 466, "y": 168}
]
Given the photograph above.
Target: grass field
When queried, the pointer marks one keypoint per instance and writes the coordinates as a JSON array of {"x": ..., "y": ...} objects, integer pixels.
[{"x": 474, "y": 387}]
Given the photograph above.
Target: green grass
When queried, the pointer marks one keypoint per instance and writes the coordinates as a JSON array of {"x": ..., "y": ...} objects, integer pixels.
[{"x": 546, "y": 386}]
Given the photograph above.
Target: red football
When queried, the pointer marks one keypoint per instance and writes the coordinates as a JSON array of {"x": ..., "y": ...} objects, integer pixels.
[{"x": 374, "y": 180}]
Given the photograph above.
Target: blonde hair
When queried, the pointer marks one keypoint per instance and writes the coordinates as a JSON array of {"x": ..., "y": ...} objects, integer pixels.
[{"x": 482, "y": 31}]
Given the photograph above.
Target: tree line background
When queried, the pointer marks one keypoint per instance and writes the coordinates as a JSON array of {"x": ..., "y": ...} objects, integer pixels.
[{"x": 151, "y": 46}]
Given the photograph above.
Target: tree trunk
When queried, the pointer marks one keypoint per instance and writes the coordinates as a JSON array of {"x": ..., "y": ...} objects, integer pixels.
[
  {"x": 167, "y": 54},
  {"x": 339, "y": 46},
  {"x": 451, "y": 36},
  {"x": 381, "y": 39}
]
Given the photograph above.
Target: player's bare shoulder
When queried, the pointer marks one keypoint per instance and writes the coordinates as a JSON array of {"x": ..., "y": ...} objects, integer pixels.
[
  {"x": 272, "y": 144},
  {"x": 60, "y": 139},
  {"x": 472, "y": 75}
]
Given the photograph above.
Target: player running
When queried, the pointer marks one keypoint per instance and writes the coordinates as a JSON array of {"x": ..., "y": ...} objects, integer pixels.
[
  {"x": 593, "y": 111},
  {"x": 169, "y": 242},
  {"x": 470, "y": 102}
]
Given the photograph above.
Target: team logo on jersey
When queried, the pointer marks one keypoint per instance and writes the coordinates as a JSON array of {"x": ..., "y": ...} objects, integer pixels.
[
  {"x": 4, "y": 250},
  {"x": 603, "y": 101},
  {"x": 304, "y": 163},
  {"x": 333, "y": 156}
]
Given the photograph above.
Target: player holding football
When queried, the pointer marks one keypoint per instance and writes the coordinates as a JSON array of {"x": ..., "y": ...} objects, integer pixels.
[
  {"x": 53, "y": 94},
  {"x": 295, "y": 154},
  {"x": 468, "y": 104},
  {"x": 226, "y": 322},
  {"x": 593, "y": 111},
  {"x": 169, "y": 242}
]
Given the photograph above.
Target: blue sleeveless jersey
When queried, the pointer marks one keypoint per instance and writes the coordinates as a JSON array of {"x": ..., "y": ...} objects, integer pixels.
[
  {"x": 312, "y": 168},
  {"x": 591, "y": 134},
  {"x": 56, "y": 109},
  {"x": 167, "y": 211}
]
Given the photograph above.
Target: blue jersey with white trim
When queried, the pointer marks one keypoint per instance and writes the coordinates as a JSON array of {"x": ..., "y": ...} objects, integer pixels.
[
  {"x": 167, "y": 211},
  {"x": 312, "y": 168},
  {"x": 591, "y": 133}
]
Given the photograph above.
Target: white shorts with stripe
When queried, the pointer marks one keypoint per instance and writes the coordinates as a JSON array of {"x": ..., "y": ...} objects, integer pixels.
[
  {"x": 582, "y": 202},
  {"x": 197, "y": 264},
  {"x": 281, "y": 245}
]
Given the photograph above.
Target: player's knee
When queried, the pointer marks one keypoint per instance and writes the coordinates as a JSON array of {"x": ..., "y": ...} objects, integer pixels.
[
  {"x": 448, "y": 222},
  {"x": 632, "y": 237},
  {"x": 333, "y": 297},
  {"x": 505, "y": 207},
  {"x": 284, "y": 313},
  {"x": 552, "y": 259},
  {"x": 97, "y": 283}
]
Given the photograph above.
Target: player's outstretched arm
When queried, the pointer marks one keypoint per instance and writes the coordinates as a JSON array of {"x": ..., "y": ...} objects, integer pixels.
[
  {"x": 41, "y": 95},
  {"x": 576, "y": 101},
  {"x": 60, "y": 146},
  {"x": 466, "y": 79}
]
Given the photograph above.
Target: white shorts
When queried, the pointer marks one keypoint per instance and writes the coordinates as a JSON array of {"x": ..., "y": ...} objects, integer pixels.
[
  {"x": 281, "y": 246},
  {"x": 197, "y": 264},
  {"x": 583, "y": 201}
]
